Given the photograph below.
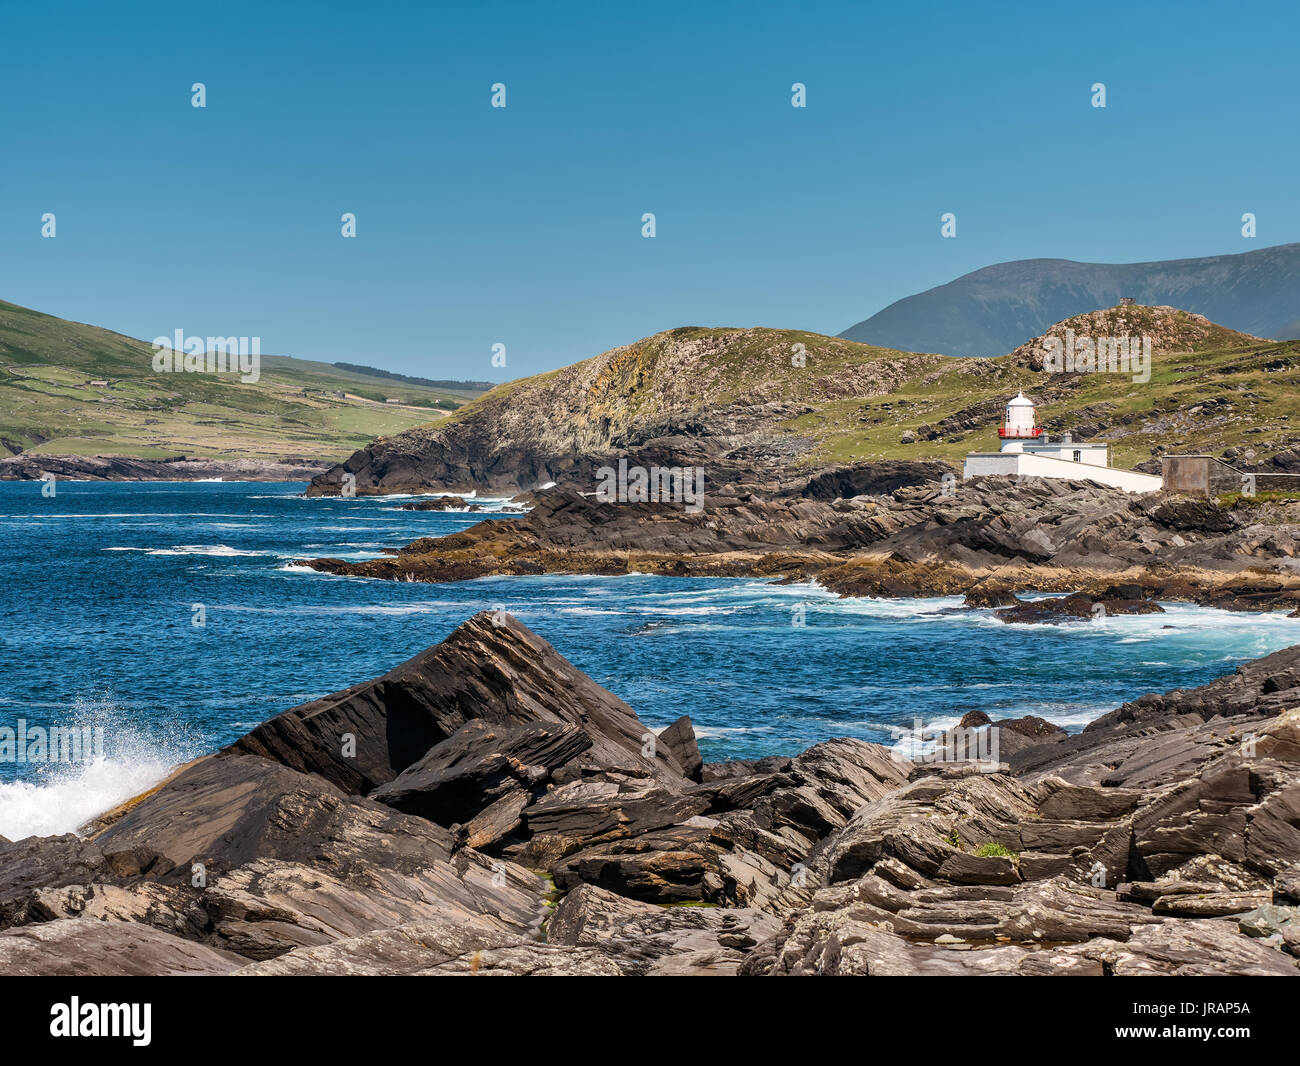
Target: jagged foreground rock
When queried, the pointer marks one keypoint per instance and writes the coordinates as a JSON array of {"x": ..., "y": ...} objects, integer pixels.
[{"x": 487, "y": 809}]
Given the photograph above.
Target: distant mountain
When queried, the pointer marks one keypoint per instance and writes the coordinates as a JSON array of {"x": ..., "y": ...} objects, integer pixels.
[{"x": 998, "y": 308}]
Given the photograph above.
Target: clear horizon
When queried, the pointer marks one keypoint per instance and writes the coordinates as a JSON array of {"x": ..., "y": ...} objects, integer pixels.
[{"x": 522, "y": 225}]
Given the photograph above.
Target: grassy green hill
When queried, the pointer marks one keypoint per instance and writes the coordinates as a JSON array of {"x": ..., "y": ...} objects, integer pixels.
[
  {"x": 298, "y": 408},
  {"x": 690, "y": 369},
  {"x": 1210, "y": 389}
]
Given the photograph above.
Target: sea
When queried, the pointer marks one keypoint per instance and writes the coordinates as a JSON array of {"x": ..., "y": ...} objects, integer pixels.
[{"x": 103, "y": 586}]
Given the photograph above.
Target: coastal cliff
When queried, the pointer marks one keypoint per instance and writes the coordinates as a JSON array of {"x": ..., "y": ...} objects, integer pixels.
[{"x": 487, "y": 809}]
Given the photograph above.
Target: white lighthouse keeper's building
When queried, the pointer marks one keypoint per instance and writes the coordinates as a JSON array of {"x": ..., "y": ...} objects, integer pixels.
[{"x": 1027, "y": 451}]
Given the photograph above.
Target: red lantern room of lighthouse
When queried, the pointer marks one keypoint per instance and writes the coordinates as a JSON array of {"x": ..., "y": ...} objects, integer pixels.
[{"x": 1020, "y": 423}]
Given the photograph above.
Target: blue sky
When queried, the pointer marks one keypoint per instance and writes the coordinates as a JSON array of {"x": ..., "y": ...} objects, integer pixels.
[{"x": 523, "y": 225}]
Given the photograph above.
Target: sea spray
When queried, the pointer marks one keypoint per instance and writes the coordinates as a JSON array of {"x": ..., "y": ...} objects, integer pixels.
[{"x": 55, "y": 796}]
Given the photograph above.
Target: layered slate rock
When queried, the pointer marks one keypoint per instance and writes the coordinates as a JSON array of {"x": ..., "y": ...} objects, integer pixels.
[
  {"x": 80, "y": 947},
  {"x": 1151, "y": 847},
  {"x": 246, "y": 854},
  {"x": 1161, "y": 735},
  {"x": 398, "y": 950},
  {"x": 481, "y": 766},
  {"x": 529, "y": 960},
  {"x": 244, "y": 857},
  {"x": 43, "y": 863},
  {"x": 873, "y": 479},
  {"x": 836, "y": 945},
  {"x": 747, "y": 838},
  {"x": 1075, "y": 607},
  {"x": 491, "y": 669},
  {"x": 679, "y": 738},
  {"x": 34, "y": 467},
  {"x": 648, "y": 940},
  {"x": 968, "y": 738},
  {"x": 540, "y": 763}
]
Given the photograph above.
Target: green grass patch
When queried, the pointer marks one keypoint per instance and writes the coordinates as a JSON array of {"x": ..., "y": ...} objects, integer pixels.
[{"x": 1232, "y": 499}]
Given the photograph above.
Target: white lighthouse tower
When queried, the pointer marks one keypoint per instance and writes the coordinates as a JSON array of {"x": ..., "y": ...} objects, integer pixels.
[{"x": 1019, "y": 424}]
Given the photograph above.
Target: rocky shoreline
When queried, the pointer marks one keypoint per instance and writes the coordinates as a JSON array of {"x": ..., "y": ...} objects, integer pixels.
[
  {"x": 986, "y": 539},
  {"x": 29, "y": 467},
  {"x": 485, "y": 808}
]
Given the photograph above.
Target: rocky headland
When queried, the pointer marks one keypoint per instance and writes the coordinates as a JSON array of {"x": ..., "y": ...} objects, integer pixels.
[
  {"x": 769, "y": 406},
  {"x": 35, "y": 467},
  {"x": 724, "y": 398},
  {"x": 987, "y": 539},
  {"x": 485, "y": 808}
]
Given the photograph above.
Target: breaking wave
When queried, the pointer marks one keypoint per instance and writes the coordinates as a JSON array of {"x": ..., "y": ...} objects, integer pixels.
[{"x": 61, "y": 797}]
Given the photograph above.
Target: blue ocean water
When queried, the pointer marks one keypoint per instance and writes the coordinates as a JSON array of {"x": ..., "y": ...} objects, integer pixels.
[{"x": 98, "y": 587}]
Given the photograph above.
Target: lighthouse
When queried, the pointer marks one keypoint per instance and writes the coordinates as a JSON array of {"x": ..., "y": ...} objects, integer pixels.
[
  {"x": 1019, "y": 424},
  {"x": 1026, "y": 451}
]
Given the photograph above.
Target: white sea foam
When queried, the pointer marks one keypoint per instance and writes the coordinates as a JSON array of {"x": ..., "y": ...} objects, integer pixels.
[
  {"x": 67, "y": 797},
  {"x": 1067, "y": 715},
  {"x": 61, "y": 797},
  {"x": 896, "y": 610},
  {"x": 705, "y": 732},
  {"x": 347, "y": 557},
  {"x": 471, "y": 495},
  {"x": 218, "y": 550}
]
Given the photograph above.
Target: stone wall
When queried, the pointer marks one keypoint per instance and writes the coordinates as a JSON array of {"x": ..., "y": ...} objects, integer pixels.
[{"x": 1204, "y": 475}]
